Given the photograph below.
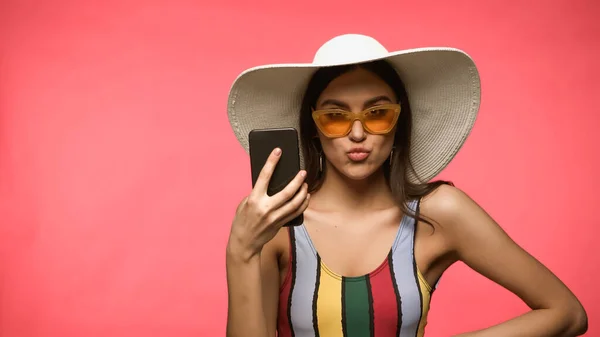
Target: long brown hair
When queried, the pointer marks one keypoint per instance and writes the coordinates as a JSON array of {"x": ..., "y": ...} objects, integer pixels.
[{"x": 396, "y": 174}]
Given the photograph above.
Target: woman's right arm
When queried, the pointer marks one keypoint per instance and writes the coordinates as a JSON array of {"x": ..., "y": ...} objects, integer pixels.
[
  {"x": 251, "y": 262},
  {"x": 254, "y": 285}
]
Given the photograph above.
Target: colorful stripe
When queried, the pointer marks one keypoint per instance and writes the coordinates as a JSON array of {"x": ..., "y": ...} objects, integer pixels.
[
  {"x": 284, "y": 322},
  {"x": 358, "y": 307},
  {"x": 426, "y": 292},
  {"x": 316, "y": 299},
  {"x": 402, "y": 263},
  {"x": 392, "y": 301},
  {"x": 329, "y": 307},
  {"x": 302, "y": 296},
  {"x": 386, "y": 316}
]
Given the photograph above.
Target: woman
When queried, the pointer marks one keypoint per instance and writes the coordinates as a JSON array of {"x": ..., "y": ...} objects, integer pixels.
[{"x": 375, "y": 128}]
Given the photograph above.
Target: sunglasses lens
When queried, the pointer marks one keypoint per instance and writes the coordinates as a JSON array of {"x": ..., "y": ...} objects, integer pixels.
[
  {"x": 335, "y": 123},
  {"x": 380, "y": 120}
]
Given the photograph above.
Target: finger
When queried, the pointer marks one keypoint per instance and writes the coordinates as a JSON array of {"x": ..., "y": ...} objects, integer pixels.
[
  {"x": 262, "y": 182},
  {"x": 292, "y": 205},
  {"x": 298, "y": 211},
  {"x": 290, "y": 190}
]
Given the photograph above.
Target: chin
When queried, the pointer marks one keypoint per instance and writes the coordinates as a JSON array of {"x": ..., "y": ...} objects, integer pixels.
[{"x": 358, "y": 172}]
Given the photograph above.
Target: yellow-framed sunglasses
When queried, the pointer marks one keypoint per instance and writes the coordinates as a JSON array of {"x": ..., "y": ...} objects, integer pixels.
[{"x": 376, "y": 120}]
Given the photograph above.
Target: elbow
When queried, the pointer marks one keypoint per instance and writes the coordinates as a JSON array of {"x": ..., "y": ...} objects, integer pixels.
[
  {"x": 580, "y": 325},
  {"x": 578, "y": 321}
]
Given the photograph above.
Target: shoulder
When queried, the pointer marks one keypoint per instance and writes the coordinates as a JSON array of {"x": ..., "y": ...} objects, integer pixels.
[
  {"x": 462, "y": 221},
  {"x": 447, "y": 205},
  {"x": 457, "y": 216}
]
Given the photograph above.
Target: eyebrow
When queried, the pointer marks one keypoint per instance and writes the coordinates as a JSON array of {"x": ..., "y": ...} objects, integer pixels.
[{"x": 369, "y": 102}]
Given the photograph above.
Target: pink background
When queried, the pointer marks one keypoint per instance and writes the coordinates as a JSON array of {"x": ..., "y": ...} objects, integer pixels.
[{"x": 119, "y": 175}]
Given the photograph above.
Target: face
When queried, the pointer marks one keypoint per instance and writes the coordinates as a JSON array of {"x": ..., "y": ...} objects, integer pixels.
[{"x": 358, "y": 154}]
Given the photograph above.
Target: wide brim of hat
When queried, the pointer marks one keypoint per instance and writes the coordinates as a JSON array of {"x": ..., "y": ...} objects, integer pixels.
[{"x": 442, "y": 85}]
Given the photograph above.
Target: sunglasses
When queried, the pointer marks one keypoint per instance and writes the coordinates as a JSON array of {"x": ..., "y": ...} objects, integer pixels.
[{"x": 376, "y": 120}]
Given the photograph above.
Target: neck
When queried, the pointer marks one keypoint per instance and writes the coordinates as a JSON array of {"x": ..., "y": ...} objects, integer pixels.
[{"x": 339, "y": 193}]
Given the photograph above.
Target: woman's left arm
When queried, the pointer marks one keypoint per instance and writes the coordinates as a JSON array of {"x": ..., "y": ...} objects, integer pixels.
[{"x": 479, "y": 242}]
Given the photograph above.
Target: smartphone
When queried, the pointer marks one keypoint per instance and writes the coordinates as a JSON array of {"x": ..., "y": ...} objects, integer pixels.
[{"x": 262, "y": 143}]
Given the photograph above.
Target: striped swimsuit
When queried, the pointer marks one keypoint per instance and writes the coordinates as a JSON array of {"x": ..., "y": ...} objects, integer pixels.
[{"x": 392, "y": 300}]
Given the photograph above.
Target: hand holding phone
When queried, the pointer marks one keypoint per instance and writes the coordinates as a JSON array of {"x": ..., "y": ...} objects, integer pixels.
[{"x": 279, "y": 195}]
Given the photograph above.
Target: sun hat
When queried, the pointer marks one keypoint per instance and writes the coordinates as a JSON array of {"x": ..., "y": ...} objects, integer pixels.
[{"x": 442, "y": 85}]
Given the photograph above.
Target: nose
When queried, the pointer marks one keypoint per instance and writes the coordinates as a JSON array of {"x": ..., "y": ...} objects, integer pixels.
[{"x": 357, "y": 133}]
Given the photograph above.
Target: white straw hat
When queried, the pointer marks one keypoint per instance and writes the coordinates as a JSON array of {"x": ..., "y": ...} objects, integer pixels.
[{"x": 442, "y": 85}]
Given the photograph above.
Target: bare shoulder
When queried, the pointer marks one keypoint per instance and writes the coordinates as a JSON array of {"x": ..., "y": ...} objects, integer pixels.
[
  {"x": 447, "y": 205},
  {"x": 462, "y": 221}
]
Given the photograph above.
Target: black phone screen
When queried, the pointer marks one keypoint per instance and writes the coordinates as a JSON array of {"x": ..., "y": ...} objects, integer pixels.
[{"x": 262, "y": 143}]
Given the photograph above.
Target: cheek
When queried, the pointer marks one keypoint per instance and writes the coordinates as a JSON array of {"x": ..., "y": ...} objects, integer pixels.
[
  {"x": 332, "y": 147},
  {"x": 386, "y": 145}
]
